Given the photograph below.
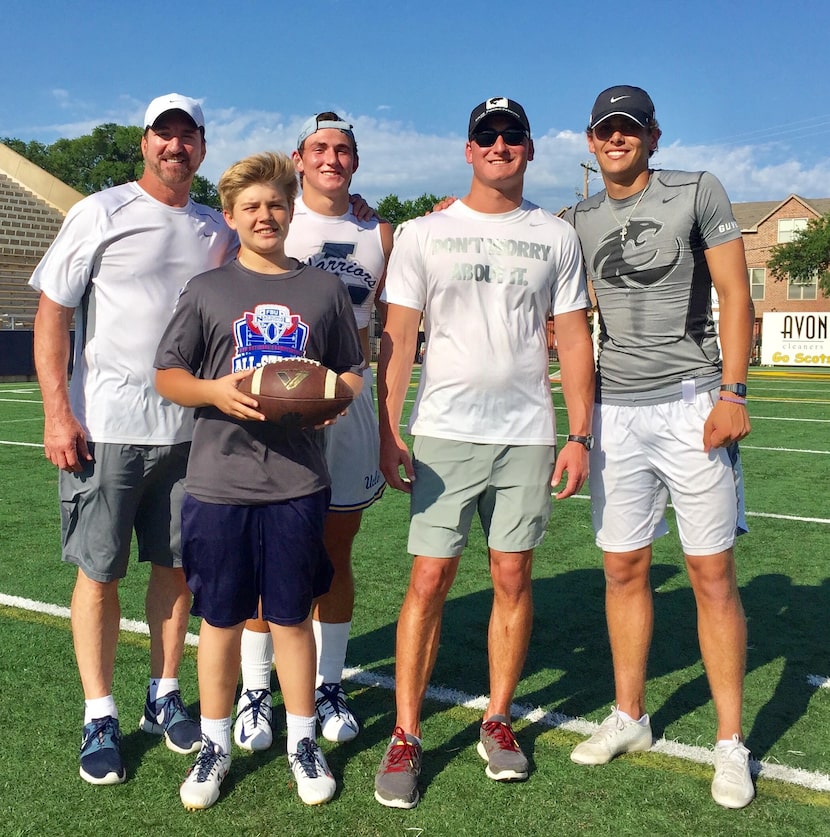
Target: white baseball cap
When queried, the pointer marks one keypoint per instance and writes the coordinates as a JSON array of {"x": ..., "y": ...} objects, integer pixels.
[{"x": 173, "y": 101}]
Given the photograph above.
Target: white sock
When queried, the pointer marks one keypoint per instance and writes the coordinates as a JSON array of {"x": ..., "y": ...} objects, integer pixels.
[
  {"x": 626, "y": 717},
  {"x": 257, "y": 658},
  {"x": 332, "y": 640},
  {"x": 218, "y": 730},
  {"x": 99, "y": 708},
  {"x": 298, "y": 727},
  {"x": 161, "y": 686}
]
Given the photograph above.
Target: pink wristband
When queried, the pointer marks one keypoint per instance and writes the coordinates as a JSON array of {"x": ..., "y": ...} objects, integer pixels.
[{"x": 741, "y": 401}]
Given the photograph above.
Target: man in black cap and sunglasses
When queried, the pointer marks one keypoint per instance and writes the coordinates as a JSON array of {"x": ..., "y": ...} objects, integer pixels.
[
  {"x": 486, "y": 273},
  {"x": 671, "y": 408}
]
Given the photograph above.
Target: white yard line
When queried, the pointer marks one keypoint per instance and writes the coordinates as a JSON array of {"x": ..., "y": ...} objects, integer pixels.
[{"x": 537, "y": 715}]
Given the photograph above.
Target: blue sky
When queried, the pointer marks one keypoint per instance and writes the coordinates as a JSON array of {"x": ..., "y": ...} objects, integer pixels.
[{"x": 740, "y": 87}]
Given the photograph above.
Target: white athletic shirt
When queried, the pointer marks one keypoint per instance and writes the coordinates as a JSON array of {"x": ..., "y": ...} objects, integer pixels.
[
  {"x": 486, "y": 284},
  {"x": 121, "y": 259},
  {"x": 343, "y": 245}
]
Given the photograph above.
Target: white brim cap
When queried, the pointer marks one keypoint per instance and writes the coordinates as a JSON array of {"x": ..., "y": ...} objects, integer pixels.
[{"x": 174, "y": 101}]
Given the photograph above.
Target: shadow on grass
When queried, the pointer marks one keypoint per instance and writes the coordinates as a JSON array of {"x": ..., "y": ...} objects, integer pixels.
[{"x": 568, "y": 667}]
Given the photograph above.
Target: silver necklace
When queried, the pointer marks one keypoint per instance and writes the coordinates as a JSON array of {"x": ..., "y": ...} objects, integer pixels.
[{"x": 624, "y": 226}]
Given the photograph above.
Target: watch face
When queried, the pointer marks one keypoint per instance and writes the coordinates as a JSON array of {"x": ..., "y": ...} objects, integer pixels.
[{"x": 586, "y": 441}]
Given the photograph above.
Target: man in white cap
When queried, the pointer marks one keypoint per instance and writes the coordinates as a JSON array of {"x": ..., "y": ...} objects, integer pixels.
[{"x": 117, "y": 265}]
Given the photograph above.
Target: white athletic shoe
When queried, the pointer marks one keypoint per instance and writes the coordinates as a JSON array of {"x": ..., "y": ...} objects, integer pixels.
[
  {"x": 252, "y": 729},
  {"x": 315, "y": 784},
  {"x": 614, "y": 736},
  {"x": 732, "y": 786},
  {"x": 337, "y": 721},
  {"x": 200, "y": 788}
]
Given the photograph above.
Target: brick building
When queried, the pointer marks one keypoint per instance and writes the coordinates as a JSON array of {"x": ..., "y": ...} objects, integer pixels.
[{"x": 764, "y": 225}]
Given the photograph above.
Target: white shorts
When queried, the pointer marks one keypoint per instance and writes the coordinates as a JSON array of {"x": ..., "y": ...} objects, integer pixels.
[
  {"x": 352, "y": 451},
  {"x": 647, "y": 454}
]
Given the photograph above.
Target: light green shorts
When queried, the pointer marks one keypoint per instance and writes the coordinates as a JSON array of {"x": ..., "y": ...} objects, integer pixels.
[{"x": 509, "y": 485}]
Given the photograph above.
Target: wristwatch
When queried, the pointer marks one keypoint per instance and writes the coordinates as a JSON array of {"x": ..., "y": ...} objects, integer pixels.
[
  {"x": 738, "y": 389},
  {"x": 586, "y": 441}
]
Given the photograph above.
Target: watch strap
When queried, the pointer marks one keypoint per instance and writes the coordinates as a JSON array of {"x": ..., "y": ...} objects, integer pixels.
[
  {"x": 738, "y": 389},
  {"x": 586, "y": 441}
]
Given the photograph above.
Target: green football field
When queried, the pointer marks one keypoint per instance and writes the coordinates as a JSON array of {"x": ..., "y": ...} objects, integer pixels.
[{"x": 566, "y": 688}]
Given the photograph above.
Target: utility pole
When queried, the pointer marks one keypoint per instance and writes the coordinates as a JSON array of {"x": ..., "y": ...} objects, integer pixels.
[{"x": 589, "y": 167}]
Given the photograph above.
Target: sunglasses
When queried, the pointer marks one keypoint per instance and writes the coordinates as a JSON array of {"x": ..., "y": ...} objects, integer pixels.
[
  {"x": 605, "y": 130},
  {"x": 511, "y": 136}
]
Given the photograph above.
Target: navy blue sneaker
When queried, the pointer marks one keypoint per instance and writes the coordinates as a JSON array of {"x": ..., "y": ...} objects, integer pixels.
[
  {"x": 100, "y": 755},
  {"x": 168, "y": 717}
]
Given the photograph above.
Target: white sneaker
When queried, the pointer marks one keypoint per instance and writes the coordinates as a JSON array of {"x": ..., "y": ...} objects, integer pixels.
[
  {"x": 200, "y": 788},
  {"x": 614, "y": 736},
  {"x": 337, "y": 722},
  {"x": 252, "y": 729},
  {"x": 732, "y": 786},
  {"x": 315, "y": 784}
]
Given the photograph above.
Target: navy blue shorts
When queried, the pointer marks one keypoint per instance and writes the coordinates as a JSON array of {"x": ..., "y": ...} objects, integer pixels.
[{"x": 233, "y": 556}]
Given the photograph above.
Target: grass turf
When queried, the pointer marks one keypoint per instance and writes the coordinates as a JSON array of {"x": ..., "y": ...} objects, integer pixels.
[{"x": 785, "y": 589}]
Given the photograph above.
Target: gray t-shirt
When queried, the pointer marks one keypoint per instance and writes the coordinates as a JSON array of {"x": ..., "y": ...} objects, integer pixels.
[
  {"x": 654, "y": 288},
  {"x": 231, "y": 319}
]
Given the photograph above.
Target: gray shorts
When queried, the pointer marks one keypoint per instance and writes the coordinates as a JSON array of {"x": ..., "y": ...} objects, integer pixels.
[
  {"x": 124, "y": 488},
  {"x": 509, "y": 486}
]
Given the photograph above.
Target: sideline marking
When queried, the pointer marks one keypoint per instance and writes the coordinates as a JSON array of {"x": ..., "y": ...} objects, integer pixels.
[
  {"x": 772, "y": 515},
  {"x": 536, "y": 715},
  {"x": 784, "y": 450}
]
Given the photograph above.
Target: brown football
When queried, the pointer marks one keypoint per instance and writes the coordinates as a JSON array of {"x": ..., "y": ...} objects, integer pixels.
[{"x": 297, "y": 392}]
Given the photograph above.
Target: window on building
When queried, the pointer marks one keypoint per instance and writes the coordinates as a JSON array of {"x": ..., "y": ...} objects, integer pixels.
[
  {"x": 757, "y": 281},
  {"x": 802, "y": 289},
  {"x": 788, "y": 227}
]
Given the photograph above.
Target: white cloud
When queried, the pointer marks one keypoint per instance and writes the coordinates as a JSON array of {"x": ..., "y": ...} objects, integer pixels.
[{"x": 397, "y": 158}]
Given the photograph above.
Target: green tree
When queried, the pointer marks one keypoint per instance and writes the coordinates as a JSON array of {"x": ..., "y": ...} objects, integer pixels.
[
  {"x": 806, "y": 256},
  {"x": 203, "y": 191},
  {"x": 396, "y": 211},
  {"x": 109, "y": 156}
]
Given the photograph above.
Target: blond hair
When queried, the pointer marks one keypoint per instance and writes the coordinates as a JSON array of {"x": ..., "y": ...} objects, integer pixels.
[{"x": 268, "y": 167}]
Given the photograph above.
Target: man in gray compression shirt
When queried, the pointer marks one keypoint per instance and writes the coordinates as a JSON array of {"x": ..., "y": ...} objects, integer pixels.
[{"x": 671, "y": 407}]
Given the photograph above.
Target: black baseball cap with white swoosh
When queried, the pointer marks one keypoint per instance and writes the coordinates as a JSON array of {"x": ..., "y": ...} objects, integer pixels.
[{"x": 623, "y": 100}]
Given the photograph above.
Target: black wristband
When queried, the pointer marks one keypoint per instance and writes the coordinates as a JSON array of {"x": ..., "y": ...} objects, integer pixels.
[
  {"x": 586, "y": 441},
  {"x": 738, "y": 389}
]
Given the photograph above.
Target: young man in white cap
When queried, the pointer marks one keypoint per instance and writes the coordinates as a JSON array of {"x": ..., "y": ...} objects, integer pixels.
[
  {"x": 670, "y": 410},
  {"x": 118, "y": 264},
  {"x": 486, "y": 273},
  {"x": 326, "y": 233}
]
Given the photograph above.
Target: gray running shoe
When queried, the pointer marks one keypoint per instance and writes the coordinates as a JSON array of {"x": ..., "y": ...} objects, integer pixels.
[
  {"x": 498, "y": 747},
  {"x": 396, "y": 782}
]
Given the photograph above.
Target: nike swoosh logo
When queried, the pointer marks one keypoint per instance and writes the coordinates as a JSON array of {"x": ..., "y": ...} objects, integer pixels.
[
  {"x": 615, "y": 99},
  {"x": 666, "y": 200}
]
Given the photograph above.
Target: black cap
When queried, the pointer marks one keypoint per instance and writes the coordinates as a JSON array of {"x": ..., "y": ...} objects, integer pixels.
[
  {"x": 623, "y": 100},
  {"x": 498, "y": 104}
]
